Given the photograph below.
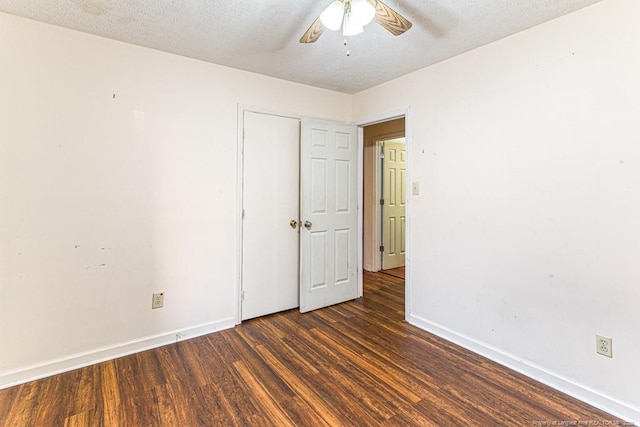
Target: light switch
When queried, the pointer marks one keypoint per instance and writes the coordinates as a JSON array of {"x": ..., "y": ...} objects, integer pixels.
[{"x": 415, "y": 188}]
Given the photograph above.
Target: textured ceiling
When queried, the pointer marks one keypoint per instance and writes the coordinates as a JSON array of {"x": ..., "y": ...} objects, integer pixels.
[{"x": 262, "y": 35}]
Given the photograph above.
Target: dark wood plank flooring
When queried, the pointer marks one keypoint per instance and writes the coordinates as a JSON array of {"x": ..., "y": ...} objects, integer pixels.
[
  {"x": 355, "y": 364},
  {"x": 395, "y": 272}
]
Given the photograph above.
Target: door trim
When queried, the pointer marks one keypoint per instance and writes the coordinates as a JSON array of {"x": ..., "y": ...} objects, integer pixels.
[{"x": 394, "y": 114}]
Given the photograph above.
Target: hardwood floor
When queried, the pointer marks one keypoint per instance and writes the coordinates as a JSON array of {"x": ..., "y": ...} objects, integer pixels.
[
  {"x": 395, "y": 272},
  {"x": 356, "y": 364}
]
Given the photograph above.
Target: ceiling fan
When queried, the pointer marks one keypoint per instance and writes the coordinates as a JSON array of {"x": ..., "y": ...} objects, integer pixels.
[{"x": 352, "y": 16}]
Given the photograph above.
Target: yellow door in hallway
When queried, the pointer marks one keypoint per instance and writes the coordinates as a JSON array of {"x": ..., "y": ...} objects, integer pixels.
[{"x": 394, "y": 203}]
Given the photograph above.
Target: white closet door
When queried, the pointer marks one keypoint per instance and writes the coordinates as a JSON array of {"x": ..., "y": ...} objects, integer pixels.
[{"x": 271, "y": 200}]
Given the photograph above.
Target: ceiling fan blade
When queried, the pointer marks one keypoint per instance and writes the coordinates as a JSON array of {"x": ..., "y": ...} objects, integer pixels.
[
  {"x": 389, "y": 19},
  {"x": 313, "y": 33}
]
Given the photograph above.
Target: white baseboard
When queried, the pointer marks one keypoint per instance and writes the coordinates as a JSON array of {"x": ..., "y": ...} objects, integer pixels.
[
  {"x": 595, "y": 398},
  {"x": 80, "y": 360}
]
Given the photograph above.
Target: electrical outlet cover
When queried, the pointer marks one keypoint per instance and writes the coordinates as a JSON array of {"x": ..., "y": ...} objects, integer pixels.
[
  {"x": 604, "y": 345},
  {"x": 157, "y": 300}
]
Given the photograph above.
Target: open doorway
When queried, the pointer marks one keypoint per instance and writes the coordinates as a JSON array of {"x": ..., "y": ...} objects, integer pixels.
[{"x": 384, "y": 241}]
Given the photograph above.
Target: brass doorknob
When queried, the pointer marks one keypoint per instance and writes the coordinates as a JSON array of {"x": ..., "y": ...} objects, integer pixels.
[{"x": 293, "y": 223}]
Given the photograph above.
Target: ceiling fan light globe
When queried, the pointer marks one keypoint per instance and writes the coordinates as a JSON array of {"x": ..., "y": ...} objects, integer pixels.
[
  {"x": 332, "y": 16},
  {"x": 362, "y": 11}
]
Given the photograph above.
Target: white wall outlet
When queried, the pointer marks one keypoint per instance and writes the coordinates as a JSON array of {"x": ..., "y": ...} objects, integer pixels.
[
  {"x": 604, "y": 346},
  {"x": 157, "y": 300}
]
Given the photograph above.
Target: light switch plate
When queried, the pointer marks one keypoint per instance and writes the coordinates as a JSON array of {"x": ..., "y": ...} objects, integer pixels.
[{"x": 415, "y": 188}]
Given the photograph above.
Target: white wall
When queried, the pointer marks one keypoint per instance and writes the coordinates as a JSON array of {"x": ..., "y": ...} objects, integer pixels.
[
  {"x": 525, "y": 239},
  {"x": 105, "y": 200}
]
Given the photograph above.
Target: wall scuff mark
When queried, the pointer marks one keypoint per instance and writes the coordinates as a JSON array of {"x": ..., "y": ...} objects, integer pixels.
[{"x": 92, "y": 7}]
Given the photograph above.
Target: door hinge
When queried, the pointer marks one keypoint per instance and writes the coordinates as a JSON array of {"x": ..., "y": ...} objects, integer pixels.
[
  {"x": 382, "y": 201},
  {"x": 242, "y": 295},
  {"x": 381, "y": 248}
]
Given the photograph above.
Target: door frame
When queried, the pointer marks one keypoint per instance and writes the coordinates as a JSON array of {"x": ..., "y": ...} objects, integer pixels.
[{"x": 385, "y": 117}]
